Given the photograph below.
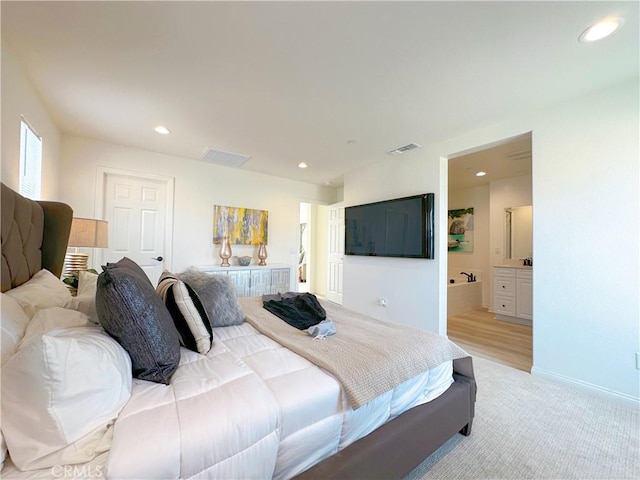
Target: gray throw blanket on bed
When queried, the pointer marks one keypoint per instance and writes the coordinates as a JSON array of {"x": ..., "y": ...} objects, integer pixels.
[{"x": 367, "y": 356}]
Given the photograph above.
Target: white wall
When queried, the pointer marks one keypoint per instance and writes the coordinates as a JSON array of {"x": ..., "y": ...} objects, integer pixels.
[
  {"x": 198, "y": 187},
  {"x": 585, "y": 177},
  {"x": 585, "y": 239},
  {"x": 478, "y": 260},
  {"x": 411, "y": 286},
  {"x": 19, "y": 99}
]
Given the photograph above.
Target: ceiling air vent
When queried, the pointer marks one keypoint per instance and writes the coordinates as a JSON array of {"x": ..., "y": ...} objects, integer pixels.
[
  {"x": 227, "y": 159},
  {"x": 521, "y": 155},
  {"x": 406, "y": 148}
]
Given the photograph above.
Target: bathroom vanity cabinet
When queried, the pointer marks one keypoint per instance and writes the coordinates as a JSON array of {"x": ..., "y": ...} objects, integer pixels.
[
  {"x": 513, "y": 294},
  {"x": 253, "y": 281}
]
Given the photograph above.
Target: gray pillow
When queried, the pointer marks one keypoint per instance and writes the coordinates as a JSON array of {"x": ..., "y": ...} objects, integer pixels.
[
  {"x": 131, "y": 312},
  {"x": 218, "y": 296}
]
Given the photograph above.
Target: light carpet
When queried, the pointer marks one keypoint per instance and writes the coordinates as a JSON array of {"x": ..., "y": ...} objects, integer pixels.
[{"x": 527, "y": 427}]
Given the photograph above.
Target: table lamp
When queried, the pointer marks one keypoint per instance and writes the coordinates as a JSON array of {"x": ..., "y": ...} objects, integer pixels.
[{"x": 86, "y": 233}]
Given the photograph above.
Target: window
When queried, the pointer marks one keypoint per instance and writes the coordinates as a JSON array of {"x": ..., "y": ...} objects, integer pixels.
[{"x": 30, "y": 162}]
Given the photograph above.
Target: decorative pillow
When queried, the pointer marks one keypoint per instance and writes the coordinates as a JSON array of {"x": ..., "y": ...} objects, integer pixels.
[
  {"x": 217, "y": 294},
  {"x": 131, "y": 311},
  {"x": 60, "y": 392},
  {"x": 44, "y": 290},
  {"x": 187, "y": 312}
]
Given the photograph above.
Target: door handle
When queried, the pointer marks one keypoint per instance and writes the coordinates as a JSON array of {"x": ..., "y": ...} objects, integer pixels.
[{"x": 157, "y": 258}]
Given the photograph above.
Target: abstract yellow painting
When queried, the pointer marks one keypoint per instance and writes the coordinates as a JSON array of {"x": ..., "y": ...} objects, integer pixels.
[{"x": 243, "y": 226}]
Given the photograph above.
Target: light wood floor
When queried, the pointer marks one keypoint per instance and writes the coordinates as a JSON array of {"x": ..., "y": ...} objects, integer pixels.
[{"x": 480, "y": 334}]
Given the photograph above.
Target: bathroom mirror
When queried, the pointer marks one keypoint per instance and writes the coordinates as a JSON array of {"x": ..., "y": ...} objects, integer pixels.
[{"x": 518, "y": 232}]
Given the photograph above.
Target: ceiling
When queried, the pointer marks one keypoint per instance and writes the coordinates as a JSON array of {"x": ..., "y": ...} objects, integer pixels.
[
  {"x": 511, "y": 158},
  {"x": 334, "y": 84}
]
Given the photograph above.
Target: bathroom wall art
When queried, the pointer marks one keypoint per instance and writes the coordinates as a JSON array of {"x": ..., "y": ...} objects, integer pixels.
[
  {"x": 461, "y": 230},
  {"x": 243, "y": 226}
]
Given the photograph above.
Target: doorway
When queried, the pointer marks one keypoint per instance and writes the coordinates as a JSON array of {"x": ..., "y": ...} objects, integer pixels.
[
  {"x": 321, "y": 251},
  {"x": 305, "y": 268},
  {"x": 484, "y": 184}
]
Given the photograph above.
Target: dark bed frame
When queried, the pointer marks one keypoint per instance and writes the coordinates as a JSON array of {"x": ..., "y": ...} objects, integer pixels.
[
  {"x": 398, "y": 446},
  {"x": 35, "y": 236}
]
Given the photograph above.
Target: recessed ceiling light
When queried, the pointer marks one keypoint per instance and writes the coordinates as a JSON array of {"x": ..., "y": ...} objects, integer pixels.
[
  {"x": 351, "y": 142},
  {"x": 600, "y": 30},
  {"x": 480, "y": 174},
  {"x": 327, "y": 183},
  {"x": 302, "y": 165},
  {"x": 162, "y": 130}
]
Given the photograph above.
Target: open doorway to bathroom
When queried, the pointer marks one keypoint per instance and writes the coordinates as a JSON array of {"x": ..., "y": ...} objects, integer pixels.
[{"x": 484, "y": 187}]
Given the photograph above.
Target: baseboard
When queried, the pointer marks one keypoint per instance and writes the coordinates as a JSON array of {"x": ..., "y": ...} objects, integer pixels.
[{"x": 611, "y": 394}]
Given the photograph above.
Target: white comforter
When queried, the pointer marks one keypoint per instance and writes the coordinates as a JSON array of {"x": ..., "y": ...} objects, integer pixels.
[{"x": 250, "y": 408}]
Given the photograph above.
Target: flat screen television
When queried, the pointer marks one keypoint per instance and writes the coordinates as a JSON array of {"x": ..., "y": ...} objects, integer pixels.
[{"x": 402, "y": 227}]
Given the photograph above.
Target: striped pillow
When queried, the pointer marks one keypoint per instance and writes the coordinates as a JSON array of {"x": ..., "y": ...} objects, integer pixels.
[{"x": 188, "y": 314}]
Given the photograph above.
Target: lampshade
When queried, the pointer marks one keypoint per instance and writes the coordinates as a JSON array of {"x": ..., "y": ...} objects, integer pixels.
[{"x": 89, "y": 233}]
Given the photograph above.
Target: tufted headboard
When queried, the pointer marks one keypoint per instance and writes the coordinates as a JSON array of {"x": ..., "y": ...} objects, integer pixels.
[{"x": 34, "y": 236}]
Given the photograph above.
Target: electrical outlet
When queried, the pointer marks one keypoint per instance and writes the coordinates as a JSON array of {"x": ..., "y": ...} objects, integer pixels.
[
  {"x": 382, "y": 301},
  {"x": 638, "y": 360}
]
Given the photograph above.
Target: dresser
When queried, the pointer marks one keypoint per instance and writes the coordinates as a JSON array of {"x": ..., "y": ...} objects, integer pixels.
[
  {"x": 254, "y": 281},
  {"x": 513, "y": 294}
]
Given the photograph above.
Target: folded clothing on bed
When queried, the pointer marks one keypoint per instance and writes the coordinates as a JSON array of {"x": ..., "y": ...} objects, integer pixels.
[
  {"x": 323, "y": 329},
  {"x": 300, "y": 310}
]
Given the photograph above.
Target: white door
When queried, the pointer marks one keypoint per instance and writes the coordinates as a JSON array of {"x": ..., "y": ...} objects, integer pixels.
[
  {"x": 137, "y": 211},
  {"x": 336, "y": 252}
]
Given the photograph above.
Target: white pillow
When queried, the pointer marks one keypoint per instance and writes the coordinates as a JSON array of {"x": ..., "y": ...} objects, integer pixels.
[
  {"x": 85, "y": 300},
  {"x": 85, "y": 303},
  {"x": 51, "y": 318},
  {"x": 3, "y": 451},
  {"x": 87, "y": 282},
  {"x": 60, "y": 392},
  {"x": 43, "y": 290},
  {"x": 14, "y": 323}
]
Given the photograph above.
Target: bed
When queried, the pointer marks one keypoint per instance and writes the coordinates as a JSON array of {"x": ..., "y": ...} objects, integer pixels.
[{"x": 281, "y": 415}]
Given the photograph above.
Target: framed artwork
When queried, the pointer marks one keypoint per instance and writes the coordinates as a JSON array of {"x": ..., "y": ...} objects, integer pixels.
[
  {"x": 461, "y": 230},
  {"x": 243, "y": 226}
]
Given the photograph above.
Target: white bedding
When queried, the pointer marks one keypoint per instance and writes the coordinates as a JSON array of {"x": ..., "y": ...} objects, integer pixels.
[{"x": 250, "y": 408}]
